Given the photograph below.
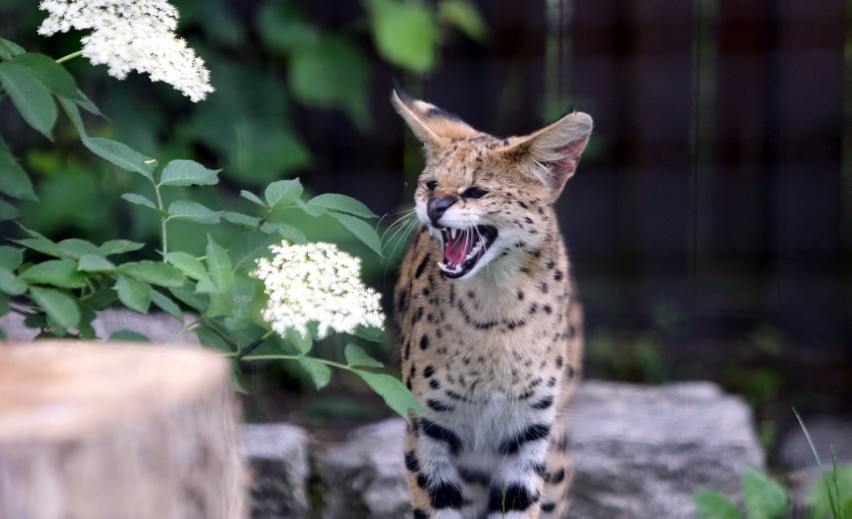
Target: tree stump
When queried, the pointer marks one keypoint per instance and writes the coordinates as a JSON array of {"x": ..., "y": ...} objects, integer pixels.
[{"x": 93, "y": 430}]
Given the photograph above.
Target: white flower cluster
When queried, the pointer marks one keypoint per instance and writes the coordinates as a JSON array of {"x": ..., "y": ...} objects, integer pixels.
[
  {"x": 316, "y": 282},
  {"x": 131, "y": 35}
]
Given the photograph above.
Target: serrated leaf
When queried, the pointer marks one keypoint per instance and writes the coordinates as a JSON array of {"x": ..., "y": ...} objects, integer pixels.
[
  {"x": 242, "y": 293},
  {"x": 60, "y": 273},
  {"x": 219, "y": 266},
  {"x": 154, "y": 272},
  {"x": 356, "y": 356},
  {"x": 188, "y": 173},
  {"x": 94, "y": 263},
  {"x": 14, "y": 181},
  {"x": 710, "y": 504},
  {"x": 249, "y": 246},
  {"x": 211, "y": 339},
  {"x": 251, "y": 197},
  {"x": 9, "y": 49},
  {"x": 241, "y": 219},
  {"x": 369, "y": 333},
  {"x": 83, "y": 101},
  {"x": 119, "y": 247},
  {"x": 10, "y": 283},
  {"x": 30, "y": 96},
  {"x": 133, "y": 294},
  {"x": 192, "y": 212},
  {"x": 361, "y": 229},
  {"x": 136, "y": 199},
  {"x": 167, "y": 305},
  {"x": 120, "y": 155},
  {"x": 38, "y": 242},
  {"x": 341, "y": 203},
  {"x": 196, "y": 301},
  {"x": 319, "y": 372},
  {"x": 312, "y": 210},
  {"x": 291, "y": 233},
  {"x": 303, "y": 342},
  {"x": 395, "y": 395},
  {"x": 51, "y": 73},
  {"x": 73, "y": 113},
  {"x": 75, "y": 248},
  {"x": 283, "y": 192},
  {"x": 764, "y": 497},
  {"x": 405, "y": 34},
  {"x": 60, "y": 307},
  {"x": 11, "y": 257},
  {"x": 128, "y": 336},
  {"x": 189, "y": 265}
]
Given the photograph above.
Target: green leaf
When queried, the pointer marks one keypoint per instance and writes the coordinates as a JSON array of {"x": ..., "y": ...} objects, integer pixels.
[
  {"x": 332, "y": 74},
  {"x": 167, "y": 305},
  {"x": 313, "y": 210},
  {"x": 249, "y": 246},
  {"x": 293, "y": 234},
  {"x": 193, "y": 212},
  {"x": 39, "y": 243},
  {"x": 119, "y": 247},
  {"x": 303, "y": 342},
  {"x": 242, "y": 293},
  {"x": 8, "y": 211},
  {"x": 821, "y": 504},
  {"x": 219, "y": 266},
  {"x": 60, "y": 307},
  {"x": 405, "y": 34},
  {"x": 710, "y": 504},
  {"x": 283, "y": 192},
  {"x": 30, "y": 96},
  {"x": 464, "y": 15},
  {"x": 211, "y": 339},
  {"x": 283, "y": 28},
  {"x": 51, "y": 73},
  {"x": 341, "y": 203},
  {"x": 11, "y": 257},
  {"x": 120, "y": 155},
  {"x": 128, "y": 336},
  {"x": 75, "y": 248},
  {"x": 198, "y": 302},
  {"x": 86, "y": 104},
  {"x": 154, "y": 272},
  {"x": 395, "y": 395},
  {"x": 241, "y": 219},
  {"x": 95, "y": 263},
  {"x": 9, "y": 49},
  {"x": 356, "y": 356},
  {"x": 14, "y": 181},
  {"x": 369, "y": 333},
  {"x": 361, "y": 230},
  {"x": 188, "y": 173},
  {"x": 10, "y": 283},
  {"x": 189, "y": 265},
  {"x": 73, "y": 113},
  {"x": 764, "y": 497},
  {"x": 251, "y": 197},
  {"x": 133, "y": 198},
  {"x": 61, "y": 273},
  {"x": 319, "y": 372},
  {"x": 133, "y": 294}
]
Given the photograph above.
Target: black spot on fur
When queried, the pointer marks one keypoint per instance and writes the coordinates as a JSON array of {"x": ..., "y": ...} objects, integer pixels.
[
  {"x": 540, "y": 469},
  {"x": 547, "y": 309},
  {"x": 551, "y": 382},
  {"x": 419, "y": 513},
  {"x": 417, "y": 315},
  {"x": 512, "y": 498},
  {"x": 411, "y": 462},
  {"x": 429, "y": 371},
  {"x": 422, "y": 266},
  {"x": 544, "y": 403},
  {"x": 445, "y": 495},
  {"x": 557, "y": 276},
  {"x": 455, "y": 396},
  {"x": 551, "y": 264},
  {"x": 422, "y": 480},
  {"x": 438, "y": 406},
  {"x": 424, "y": 342},
  {"x": 534, "y": 432},
  {"x": 528, "y": 219},
  {"x": 402, "y": 302},
  {"x": 469, "y": 475},
  {"x": 545, "y": 507},
  {"x": 558, "y": 477},
  {"x": 441, "y": 434},
  {"x": 434, "y": 384}
]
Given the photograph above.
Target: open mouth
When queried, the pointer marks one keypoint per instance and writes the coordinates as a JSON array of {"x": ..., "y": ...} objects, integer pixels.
[{"x": 463, "y": 248}]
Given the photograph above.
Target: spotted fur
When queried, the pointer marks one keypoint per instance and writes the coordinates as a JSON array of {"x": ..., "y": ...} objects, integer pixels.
[{"x": 491, "y": 346}]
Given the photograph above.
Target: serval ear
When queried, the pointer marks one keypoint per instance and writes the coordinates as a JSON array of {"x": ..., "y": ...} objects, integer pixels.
[
  {"x": 432, "y": 125},
  {"x": 551, "y": 154}
]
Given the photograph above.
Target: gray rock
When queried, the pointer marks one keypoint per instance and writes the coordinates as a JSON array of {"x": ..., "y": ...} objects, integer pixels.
[
  {"x": 365, "y": 476},
  {"x": 158, "y": 327},
  {"x": 278, "y": 459},
  {"x": 643, "y": 452},
  {"x": 826, "y": 432},
  {"x": 639, "y": 452}
]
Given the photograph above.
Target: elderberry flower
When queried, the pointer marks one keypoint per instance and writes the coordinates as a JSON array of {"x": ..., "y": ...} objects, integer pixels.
[
  {"x": 131, "y": 35},
  {"x": 316, "y": 282}
]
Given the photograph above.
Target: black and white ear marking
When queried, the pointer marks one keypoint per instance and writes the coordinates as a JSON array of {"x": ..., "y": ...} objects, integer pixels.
[
  {"x": 432, "y": 125},
  {"x": 551, "y": 154}
]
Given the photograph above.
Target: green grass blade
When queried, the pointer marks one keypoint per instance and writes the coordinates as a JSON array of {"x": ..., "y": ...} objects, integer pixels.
[{"x": 835, "y": 507}]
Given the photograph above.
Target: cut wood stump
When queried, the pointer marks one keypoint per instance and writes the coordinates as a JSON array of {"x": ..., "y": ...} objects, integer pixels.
[{"x": 105, "y": 431}]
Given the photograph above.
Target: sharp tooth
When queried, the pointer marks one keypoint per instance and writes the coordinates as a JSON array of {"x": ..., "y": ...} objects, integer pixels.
[
  {"x": 443, "y": 266},
  {"x": 453, "y": 233}
]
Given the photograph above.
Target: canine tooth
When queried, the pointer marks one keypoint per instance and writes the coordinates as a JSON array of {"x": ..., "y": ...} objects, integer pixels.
[{"x": 453, "y": 233}]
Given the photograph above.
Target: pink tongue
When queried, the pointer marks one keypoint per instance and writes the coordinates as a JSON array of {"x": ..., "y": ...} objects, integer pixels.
[{"x": 457, "y": 249}]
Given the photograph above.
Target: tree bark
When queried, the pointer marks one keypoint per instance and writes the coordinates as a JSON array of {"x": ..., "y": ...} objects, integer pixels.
[{"x": 93, "y": 430}]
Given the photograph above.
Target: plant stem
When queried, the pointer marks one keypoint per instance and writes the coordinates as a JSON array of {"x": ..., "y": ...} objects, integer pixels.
[
  {"x": 333, "y": 364},
  {"x": 73, "y": 55},
  {"x": 163, "y": 230}
]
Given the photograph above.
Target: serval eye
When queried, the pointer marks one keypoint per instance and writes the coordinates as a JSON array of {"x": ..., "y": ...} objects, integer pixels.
[
  {"x": 474, "y": 192},
  {"x": 431, "y": 185}
]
